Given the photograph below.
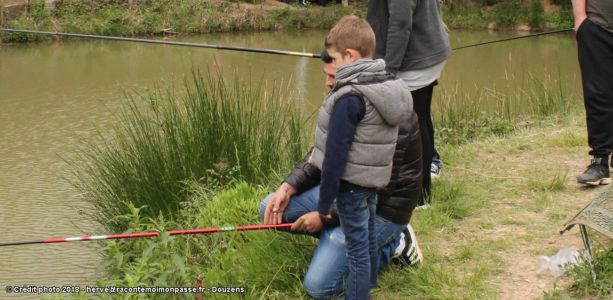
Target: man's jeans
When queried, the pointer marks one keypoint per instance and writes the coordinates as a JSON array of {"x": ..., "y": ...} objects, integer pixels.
[{"x": 329, "y": 267}]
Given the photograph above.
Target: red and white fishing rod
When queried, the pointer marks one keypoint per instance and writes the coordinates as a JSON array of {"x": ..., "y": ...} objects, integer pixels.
[{"x": 149, "y": 234}]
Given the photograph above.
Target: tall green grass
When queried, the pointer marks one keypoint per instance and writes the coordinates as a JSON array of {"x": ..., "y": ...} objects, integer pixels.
[
  {"x": 461, "y": 115},
  {"x": 213, "y": 133}
]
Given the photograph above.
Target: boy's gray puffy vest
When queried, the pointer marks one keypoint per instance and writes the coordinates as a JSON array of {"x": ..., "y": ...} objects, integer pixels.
[{"x": 387, "y": 104}]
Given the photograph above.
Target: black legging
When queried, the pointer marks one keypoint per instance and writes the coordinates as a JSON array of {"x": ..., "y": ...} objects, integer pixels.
[{"x": 422, "y": 100}]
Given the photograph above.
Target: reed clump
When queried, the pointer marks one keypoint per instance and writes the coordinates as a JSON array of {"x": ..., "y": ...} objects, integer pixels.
[{"x": 214, "y": 132}]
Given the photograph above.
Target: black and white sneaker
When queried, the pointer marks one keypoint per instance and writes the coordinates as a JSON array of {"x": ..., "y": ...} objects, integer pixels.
[
  {"x": 435, "y": 168},
  {"x": 597, "y": 173},
  {"x": 408, "y": 252}
]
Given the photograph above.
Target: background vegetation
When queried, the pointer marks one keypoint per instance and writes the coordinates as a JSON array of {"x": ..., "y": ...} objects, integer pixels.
[
  {"x": 504, "y": 14},
  {"x": 145, "y": 18},
  {"x": 119, "y": 18}
]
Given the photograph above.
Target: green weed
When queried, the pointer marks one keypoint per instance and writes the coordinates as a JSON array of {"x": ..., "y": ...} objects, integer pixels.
[
  {"x": 555, "y": 184},
  {"x": 585, "y": 285},
  {"x": 265, "y": 264}
]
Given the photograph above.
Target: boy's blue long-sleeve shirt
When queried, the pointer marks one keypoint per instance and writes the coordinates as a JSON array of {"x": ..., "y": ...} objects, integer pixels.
[{"x": 346, "y": 114}]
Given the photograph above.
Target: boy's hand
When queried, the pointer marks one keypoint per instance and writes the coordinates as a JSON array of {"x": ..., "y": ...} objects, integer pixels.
[
  {"x": 277, "y": 204},
  {"x": 308, "y": 222}
]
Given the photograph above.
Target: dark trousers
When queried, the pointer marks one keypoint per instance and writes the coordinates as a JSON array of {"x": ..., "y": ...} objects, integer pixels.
[
  {"x": 595, "y": 49},
  {"x": 422, "y": 100}
]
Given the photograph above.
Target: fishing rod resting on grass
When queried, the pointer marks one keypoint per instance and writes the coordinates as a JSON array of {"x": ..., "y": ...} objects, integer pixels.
[
  {"x": 236, "y": 48},
  {"x": 149, "y": 234}
]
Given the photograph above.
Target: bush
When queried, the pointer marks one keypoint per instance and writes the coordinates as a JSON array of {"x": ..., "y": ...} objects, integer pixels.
[
  {"x": 507, "y": 13},
  {"x": 537, "y": 15}
]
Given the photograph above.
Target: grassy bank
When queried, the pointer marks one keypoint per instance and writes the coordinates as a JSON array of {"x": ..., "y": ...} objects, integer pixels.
[
  {"x": 494, "y": 212},
  {"x": 147, "y": 18},
  {"x": 504, "y": 195},
  {"x": 118, "y": 18},
  {"x": 508, "y": 14}
]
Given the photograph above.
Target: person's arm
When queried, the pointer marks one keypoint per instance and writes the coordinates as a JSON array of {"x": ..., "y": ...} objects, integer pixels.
[
  {"x": 277, "y": 204},
  {"x": 313, "y": 222},
  {"x": 304, "y": 176},
  {"x": 400, "y": 24},
  {"x": 579, "y": 12},
  {"x": 346, "y": 114}
]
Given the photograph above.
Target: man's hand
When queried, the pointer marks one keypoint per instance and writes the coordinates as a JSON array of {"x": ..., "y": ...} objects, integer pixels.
[
  {"x": 277, "y": 204},
  {"x": 309, "y": 222}
]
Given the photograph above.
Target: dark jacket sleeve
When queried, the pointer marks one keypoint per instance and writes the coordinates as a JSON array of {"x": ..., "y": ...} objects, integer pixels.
[
  {"x": 400, "y": 22},
  {"x": 304, "y": 175},
  {"x": 399, "y": 198}
]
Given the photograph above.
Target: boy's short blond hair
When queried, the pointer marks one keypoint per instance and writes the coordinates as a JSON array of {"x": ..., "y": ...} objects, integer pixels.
[{"x": 352, "y": 32}]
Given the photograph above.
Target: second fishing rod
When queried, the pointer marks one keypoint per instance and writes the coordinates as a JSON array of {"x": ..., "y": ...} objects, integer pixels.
[{"x": 242, "y": 49}]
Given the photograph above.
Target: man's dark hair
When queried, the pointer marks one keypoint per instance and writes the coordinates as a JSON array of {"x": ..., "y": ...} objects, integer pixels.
[{"x": 325, "y": 57}]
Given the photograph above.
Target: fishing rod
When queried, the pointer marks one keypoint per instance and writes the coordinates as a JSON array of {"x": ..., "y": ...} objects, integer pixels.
[
  {"x": 515, "y": 38},
  {"x": 174, "y": 43},
  {"x": 245, "y": 49},
  {"x": 148, "y": 234}
]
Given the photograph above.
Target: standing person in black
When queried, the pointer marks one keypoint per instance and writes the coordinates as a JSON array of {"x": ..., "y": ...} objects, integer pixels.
[
  {"x": 594, "y": 29},
  {"x": 411, "y": 38}
]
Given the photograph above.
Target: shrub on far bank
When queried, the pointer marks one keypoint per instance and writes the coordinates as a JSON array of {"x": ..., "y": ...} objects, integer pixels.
[{"x": 507, "y": 14}]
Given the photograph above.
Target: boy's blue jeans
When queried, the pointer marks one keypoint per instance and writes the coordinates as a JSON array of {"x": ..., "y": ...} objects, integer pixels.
[
  {"x": 356, "y": 210},
  {"x": 328, "y": 270}
]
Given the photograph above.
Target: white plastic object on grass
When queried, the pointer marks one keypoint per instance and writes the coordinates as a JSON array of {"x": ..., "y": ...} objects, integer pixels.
[{"x": 558, "y": 263}]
